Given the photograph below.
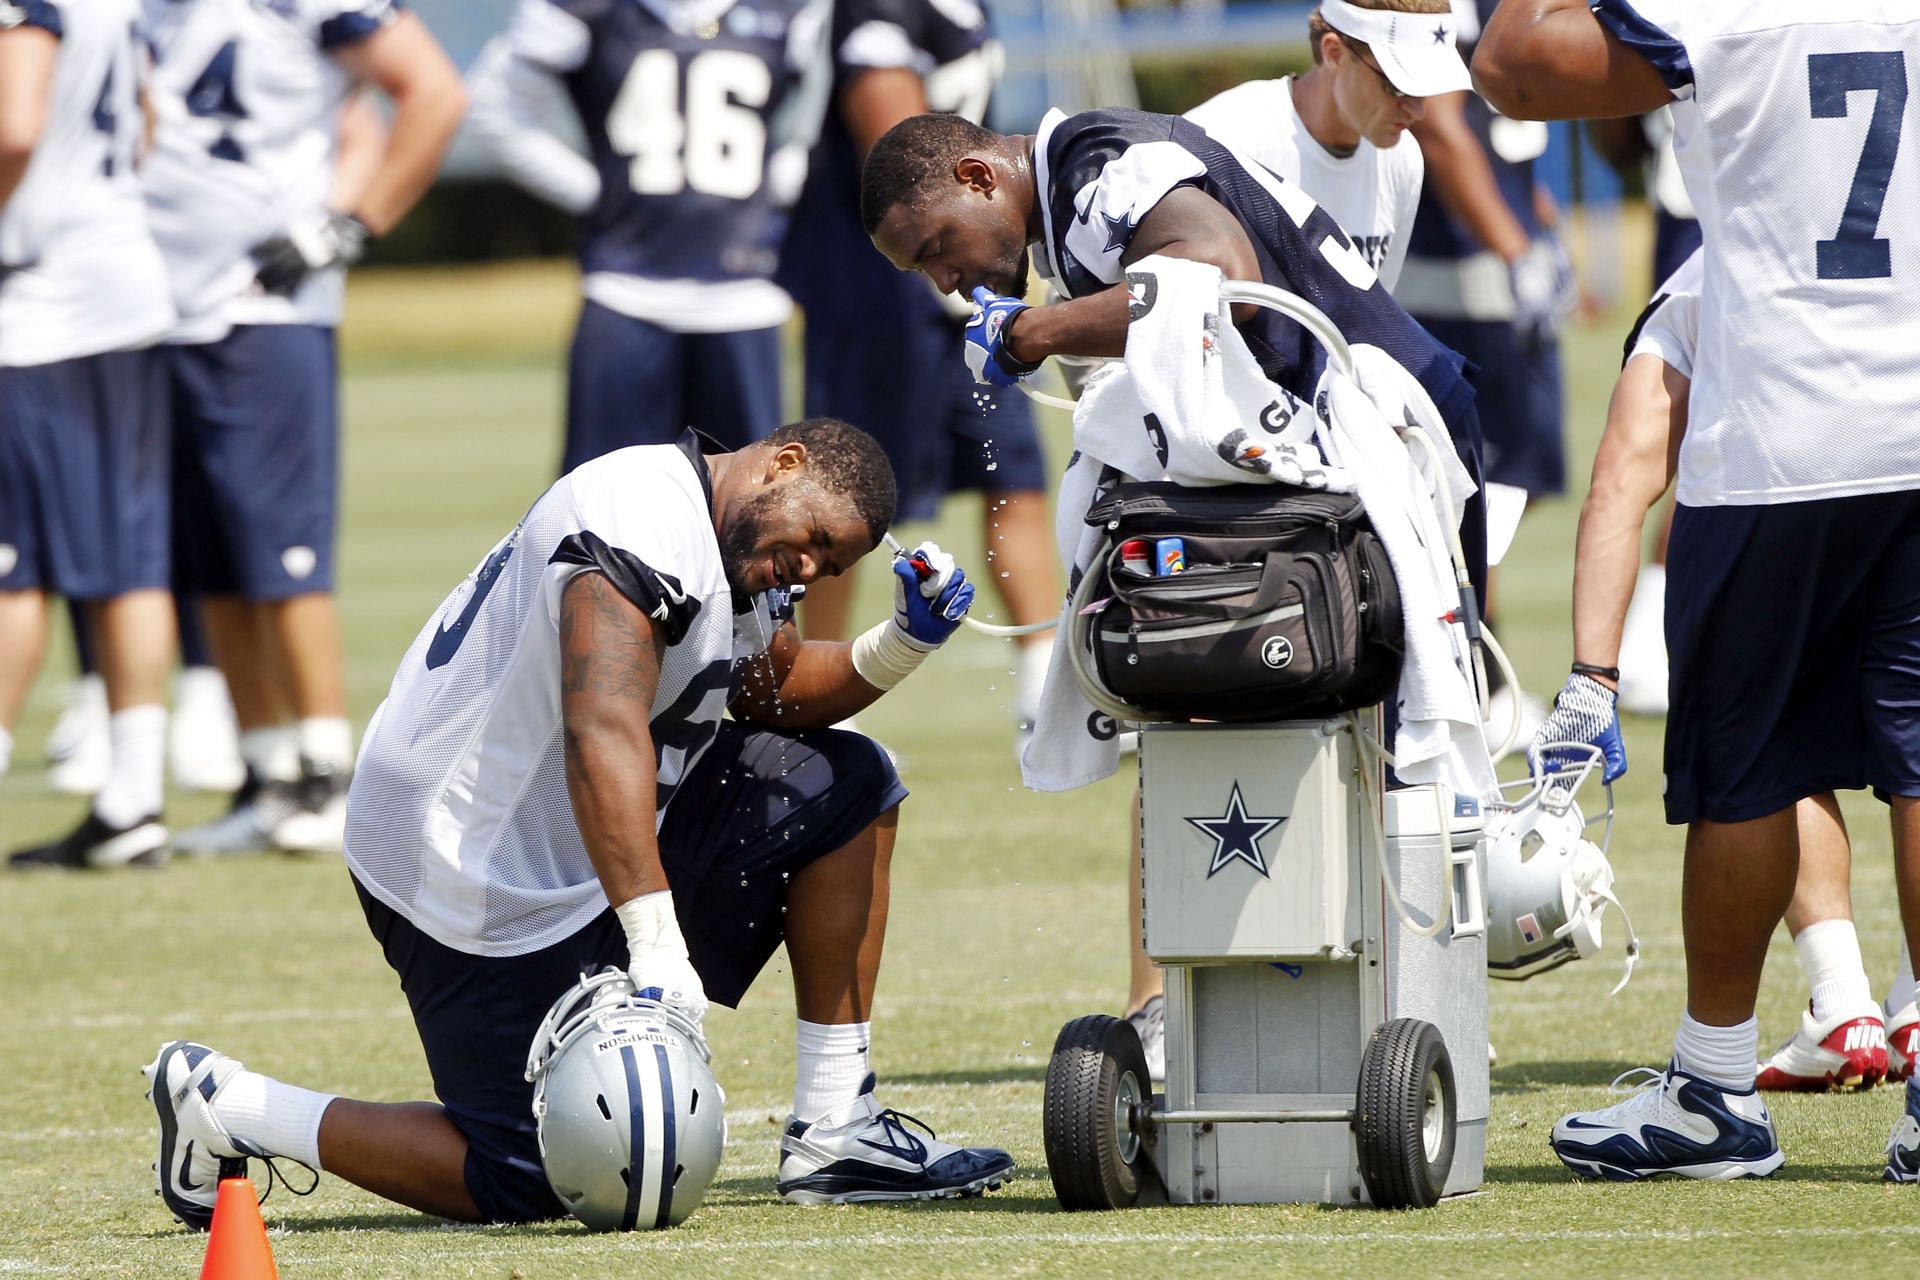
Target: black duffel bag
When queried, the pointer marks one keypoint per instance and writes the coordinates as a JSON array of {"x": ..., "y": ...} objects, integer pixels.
[{"x": 1286, "y": 608}]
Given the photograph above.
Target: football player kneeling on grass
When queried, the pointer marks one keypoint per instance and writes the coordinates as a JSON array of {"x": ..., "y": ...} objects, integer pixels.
[{"x": 550, "y": 788}]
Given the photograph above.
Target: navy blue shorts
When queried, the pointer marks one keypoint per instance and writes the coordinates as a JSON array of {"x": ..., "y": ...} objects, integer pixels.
[
  {"x": 256, "y": 462},
  {"x": 1518, "y": 397},
  {"x": 1793, "y": 642},
  {"x": 758, "y": 808},
  {"x": 83, "y": 475},
  {"x": 895, "y": 370},
  {"x": 630, "y": 382}
]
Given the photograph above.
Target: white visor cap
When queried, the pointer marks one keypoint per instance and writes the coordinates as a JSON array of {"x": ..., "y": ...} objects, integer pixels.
[{"x": 1416, "y": 50}]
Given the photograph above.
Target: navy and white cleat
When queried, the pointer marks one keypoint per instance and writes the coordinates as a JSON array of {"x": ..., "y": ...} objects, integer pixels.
[
  {"x": 181, "y": 1083},
  {"x": 860, "y": 1152},
  {"x": 95, "y": 844},
  {"x": 1903, "y": 1144},
  {"x": 1673, "y": 1124}
]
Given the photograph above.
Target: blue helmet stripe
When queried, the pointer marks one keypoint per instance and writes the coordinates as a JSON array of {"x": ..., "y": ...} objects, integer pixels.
[
  {"x": 667, "y": 1160},
  {"x": 636, "y": 1139}
]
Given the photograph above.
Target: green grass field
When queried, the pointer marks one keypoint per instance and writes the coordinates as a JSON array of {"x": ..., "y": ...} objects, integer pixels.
[{"x": 1007, "y": 921}]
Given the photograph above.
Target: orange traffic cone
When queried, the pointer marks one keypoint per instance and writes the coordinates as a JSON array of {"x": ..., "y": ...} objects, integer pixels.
[{"x": 237, "y": 1246}]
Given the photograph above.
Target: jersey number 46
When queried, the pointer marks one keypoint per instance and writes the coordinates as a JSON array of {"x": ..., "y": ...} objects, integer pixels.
[{"x": 717, "y": 146}]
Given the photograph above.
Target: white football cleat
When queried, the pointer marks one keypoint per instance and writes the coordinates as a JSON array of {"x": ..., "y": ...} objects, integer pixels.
[
  {"x": 245, "y": 827},
  {"x": 182, "y": 1082},
  {"x": 318, "y": 822},
  {"x": 203, "y": 744},
  {"x": 859, "y": 1152},
  {"x": 97, "y": 845},
  {"x": 1676, "y": 1125},
  {"x": 1845, "y": 1051},
  {"x": 1903, "y": 1144},
  {"x": 1903, "y": 1043},
  {"x": 1150, "y": 1022},
  {"x": 79, "y": 748},
  {"x": 84, "y": 714}
]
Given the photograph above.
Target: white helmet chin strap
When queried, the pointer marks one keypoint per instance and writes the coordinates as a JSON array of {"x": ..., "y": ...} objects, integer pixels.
[{"x": 1590, "y": 885}]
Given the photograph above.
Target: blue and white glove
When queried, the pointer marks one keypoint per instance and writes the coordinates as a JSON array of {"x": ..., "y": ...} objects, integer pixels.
[
  {"x": 931, "y": 595},
  {"x": 1544, "y": 288},
  {"x": 1586, "y": 711},
  {"x": 986, "y": 351}
]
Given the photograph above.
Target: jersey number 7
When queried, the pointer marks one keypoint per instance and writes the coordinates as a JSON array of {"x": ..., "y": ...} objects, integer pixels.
[
  {"x": 716, "y": 147},
  {"x": 1856, "y": 252}
]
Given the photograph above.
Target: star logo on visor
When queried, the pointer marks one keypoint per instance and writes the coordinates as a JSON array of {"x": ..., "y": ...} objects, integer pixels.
[
  {"x": 1440, "y": 34},
  {"x": 1236, "y": 835},
  {"x": 1119, "y": 232}
]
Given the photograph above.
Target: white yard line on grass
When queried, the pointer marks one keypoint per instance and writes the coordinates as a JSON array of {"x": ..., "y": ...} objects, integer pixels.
[{"x": 668, "y": 1243}]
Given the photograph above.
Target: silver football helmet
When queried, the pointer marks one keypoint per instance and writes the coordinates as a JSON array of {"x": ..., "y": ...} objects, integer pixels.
[
  {"x": 631, "y": 1121},
  {"x": 1548, "y": 885}
]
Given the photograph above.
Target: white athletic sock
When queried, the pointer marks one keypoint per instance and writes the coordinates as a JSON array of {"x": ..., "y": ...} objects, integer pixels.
[
  {"x": 328, "y": 741},
  {"x": 6, "y": 750},
  {"x": 1830, "y": 955},
  {"x": 1034, "y": 657},
  {"x": 280, "y": 1119},
  {"x": 1900, "y": 992},
  {"x": 135, "y": 777},
  {"x": 273, "y": 753},
  {"x": 1719, "y": 1055},
  {"x": 830, "y": 1065}
]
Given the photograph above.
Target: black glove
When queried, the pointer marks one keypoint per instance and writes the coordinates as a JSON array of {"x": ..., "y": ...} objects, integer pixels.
[{"x": 285, "y": 261}]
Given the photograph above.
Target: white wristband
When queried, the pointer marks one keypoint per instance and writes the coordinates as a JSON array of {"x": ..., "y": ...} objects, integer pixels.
[
  {"x": 651, "y": 926},
  {"x": 884, "y": 655}
]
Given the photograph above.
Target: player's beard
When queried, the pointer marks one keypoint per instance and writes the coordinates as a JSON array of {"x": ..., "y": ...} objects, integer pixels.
[
  {"x": 745, "y": 532},
  {"x": 1009, "y": 280}
]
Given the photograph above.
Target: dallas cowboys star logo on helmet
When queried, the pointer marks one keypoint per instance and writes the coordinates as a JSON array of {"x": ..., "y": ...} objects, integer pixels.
[{"x": 1236, "y": 835}]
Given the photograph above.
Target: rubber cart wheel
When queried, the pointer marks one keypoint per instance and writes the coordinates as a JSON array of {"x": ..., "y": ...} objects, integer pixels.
[
  {"x": 1097, "y": 1076},
  {"x": 1403, "y": 1115}
]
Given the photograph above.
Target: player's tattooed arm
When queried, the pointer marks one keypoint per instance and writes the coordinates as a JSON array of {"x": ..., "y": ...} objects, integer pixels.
[
  {"x": 609, "y": 669},
  {"x": 1186, "y": 223},
  {"x": 802, "y": 685},
  {"x": 1553, "y": 60}
]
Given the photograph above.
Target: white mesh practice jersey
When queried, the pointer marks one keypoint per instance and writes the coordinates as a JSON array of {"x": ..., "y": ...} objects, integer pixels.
[
  {"x": 1372, "y": 193},
  {"x": 1670, "y": 326},
  {"x": 1790, "y": 126},
  {"x": 247, "y": 96},
  {"x": 459, "y": 817},
  {"x": 78, "y": 272}
]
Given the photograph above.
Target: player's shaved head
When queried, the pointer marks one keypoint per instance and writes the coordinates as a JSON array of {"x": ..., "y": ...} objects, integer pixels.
[
  {"x": 914, "y": 157},
  {"x": 942, "y": 196}
]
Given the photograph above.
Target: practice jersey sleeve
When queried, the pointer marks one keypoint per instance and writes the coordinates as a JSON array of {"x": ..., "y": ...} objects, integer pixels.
[
  {"x": 1670, "y": 326},
  {"x": 1104, "y": 183},
  {"x": 517, "y": 101},
  {"x": 41, "y": 14},
  {"x": 340, "y": 24},
  {"x": 1657, "y": 31},
  {"x": 647, "y": 529}
]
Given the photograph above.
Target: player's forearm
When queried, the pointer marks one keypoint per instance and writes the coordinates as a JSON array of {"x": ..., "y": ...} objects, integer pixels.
[
  {"x": 27, "y": 57},
  {"x": 609, "y": 671},
  {"x": 821, "y": 688},
  {"x": 361, "y": 144},
  {"x": 406, "y": 63},
  {"x": 1095, "y": 325},
  {"x": 1631, "y": 469},
  {"x": 611, "y": 783},
  {"x": 1552, "y": 60},
  {"x": 1462, "y": 179}
]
